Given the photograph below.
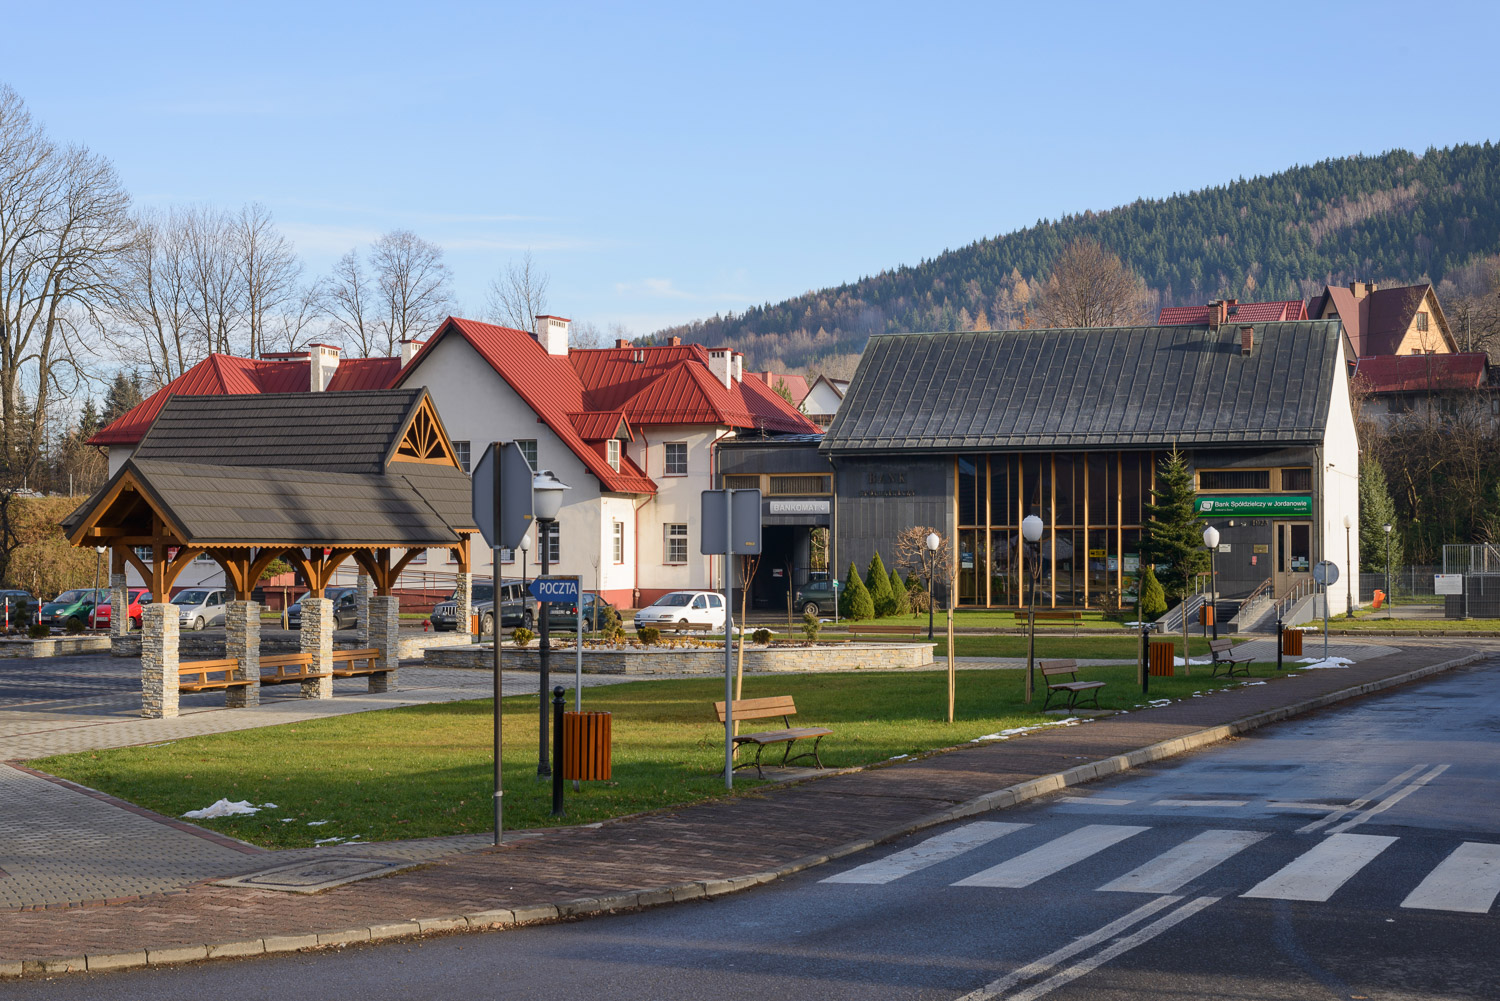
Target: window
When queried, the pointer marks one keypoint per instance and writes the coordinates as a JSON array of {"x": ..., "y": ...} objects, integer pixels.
[
  {"x": 1422, "y": 320},
  {"x": 699, "y": 602},
  {"x": 677, "y": 544},
  {"x": 741, "y": 482},
  {"x": 421, "y": 557},
  {"x": 619, "y": 542},
  {"x": 1234, "y": 479},
  {"x": 676, "y": 458},
  {"x": 783, "y": 486},
  {"x": 554, "y": 542},
  {"x": 528, "y": 446},
  {"x": 453, "y": 556},
  {"x": 714, "y": 601},
  {"x": 612, "y": 454},
  {"x": 1296, "y": 479},
  {"x": 461, "y": 453}
]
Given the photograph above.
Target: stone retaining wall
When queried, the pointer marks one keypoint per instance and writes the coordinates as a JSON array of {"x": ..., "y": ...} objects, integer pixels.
[
  {"x": 58, "y": 646},
  {"x": 663, "y": 660}
]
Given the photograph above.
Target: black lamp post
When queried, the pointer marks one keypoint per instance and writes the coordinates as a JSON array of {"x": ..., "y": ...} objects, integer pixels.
[
  {"x": 1348, "y": 566},
  {"x": 1211, "y": 540},
  {"x": 932, "y": 542},
  {"x": 525, "y": 548},
  {"x": 1031, "y": 531},
  {"x": 1390, "y": 595},
  {"x": 546, "y": 492}
]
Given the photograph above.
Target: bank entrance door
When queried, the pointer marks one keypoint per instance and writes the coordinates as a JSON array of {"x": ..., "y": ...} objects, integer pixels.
[{"x": 1293, "y": 556}]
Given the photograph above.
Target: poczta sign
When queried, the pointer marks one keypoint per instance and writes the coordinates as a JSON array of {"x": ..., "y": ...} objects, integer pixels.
[{"x": 561, "y": 589}]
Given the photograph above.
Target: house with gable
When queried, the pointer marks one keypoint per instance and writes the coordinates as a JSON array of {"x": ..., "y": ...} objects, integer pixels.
[{"x": 632, "y": 430}]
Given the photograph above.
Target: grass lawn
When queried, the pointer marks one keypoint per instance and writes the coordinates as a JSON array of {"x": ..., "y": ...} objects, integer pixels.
[
  {"x": 1377, "y": 622},
  {"x": 1078, "y": 647},
  {"x": 422, "y": 771}
]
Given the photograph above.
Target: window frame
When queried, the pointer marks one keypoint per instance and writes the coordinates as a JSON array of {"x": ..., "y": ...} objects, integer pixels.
[
  {"x": 612, "y": 453},
  {"x": 532, "y": 455},
  {"x": 1268, "y": 488},
  {"x": 667, "y": 449},
  {"x": 1285, "y": 487},
  {"x": 461, "y": 452},
  {"x": 672, "y": 538},
  {"x": 617, "y": 542},
  {"x": 1420, "y": 320}
]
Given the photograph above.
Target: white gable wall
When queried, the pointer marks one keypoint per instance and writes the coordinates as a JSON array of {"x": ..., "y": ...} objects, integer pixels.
[{"x": 1340, "y": 490}]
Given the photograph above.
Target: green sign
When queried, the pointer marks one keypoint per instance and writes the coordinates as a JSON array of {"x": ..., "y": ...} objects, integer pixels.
[{"x": 1262, "y": 506}]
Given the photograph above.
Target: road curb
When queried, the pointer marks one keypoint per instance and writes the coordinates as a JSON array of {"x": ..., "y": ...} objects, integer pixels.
[{"x": 562, "y": 910}]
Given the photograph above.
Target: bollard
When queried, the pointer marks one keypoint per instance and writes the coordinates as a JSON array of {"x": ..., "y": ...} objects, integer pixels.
[
  {"x": 1280, "y": 641},
  {"x": 1145, "y": 658},
  {"x": 559, "y": 705}
]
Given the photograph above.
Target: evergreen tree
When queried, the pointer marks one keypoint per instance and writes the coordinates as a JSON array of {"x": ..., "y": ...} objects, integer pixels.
[
  {"x": 1174, "y": 541},
  {"x": 902, "y": 598},
  {"x": 855, "y": 602},
  {"x": 878, "y": 582},
  {"x": 125, "y": 392},
  {"x": 1376, "y": 510},
  {"x": 1153, "y": 601}
]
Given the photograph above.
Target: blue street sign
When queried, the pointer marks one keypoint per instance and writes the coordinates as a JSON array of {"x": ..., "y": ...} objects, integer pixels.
[{"x": 563, "y": 589}]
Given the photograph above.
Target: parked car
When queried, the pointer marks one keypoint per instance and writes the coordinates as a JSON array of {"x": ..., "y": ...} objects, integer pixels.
[
  {"x": 444, "y": 615},
  {"x": 345, "y": 612},
  {"x": 705, "y": 607},
  {"x": 20, "y": 603},
  {"x": 816, "y": 596},
  {"x": 74, "y": 604},
  {"x": 564, "y": 618},
  {"x": 199, "y": 607},
  {"x": 105, "y": 609},
  {"x": 517, "y": 608}
]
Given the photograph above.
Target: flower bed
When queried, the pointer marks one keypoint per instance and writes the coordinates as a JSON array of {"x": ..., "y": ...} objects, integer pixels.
[{"x": 693, "y": 656}]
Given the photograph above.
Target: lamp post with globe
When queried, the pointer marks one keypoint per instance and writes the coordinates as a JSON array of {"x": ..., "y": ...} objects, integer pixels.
[
  {"x": 547, "y": 496},
  {"x": 931, "y": 542},
  {"x": 1031, "y": 532},
  {"x": 1211, "y": 540},
  {"x": 1390, "y": 595}
]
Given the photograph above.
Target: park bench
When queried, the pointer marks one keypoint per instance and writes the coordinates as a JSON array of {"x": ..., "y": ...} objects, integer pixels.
[
  {"x": 685, "y": 627},
  {"x": 785, "y": 707},
  {"x": 1225, "y": 657},
  {"x": 287, "y": 668},
  {"x": 1074, "y": 616},
  {"x": 1074, "y": 687},
  {"x": 887, "y": 630},
  {"x": 193, "y": 676},
  {"x": 346, "y": 658}
]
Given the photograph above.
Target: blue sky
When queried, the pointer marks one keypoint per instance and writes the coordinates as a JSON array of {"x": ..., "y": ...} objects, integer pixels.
[{"x": 664, "y": 162}]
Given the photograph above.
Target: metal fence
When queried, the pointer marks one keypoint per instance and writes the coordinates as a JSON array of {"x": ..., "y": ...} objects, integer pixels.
[
  {"x": 1471, "y": 558},
  {"x": 1404, "y": 582}
]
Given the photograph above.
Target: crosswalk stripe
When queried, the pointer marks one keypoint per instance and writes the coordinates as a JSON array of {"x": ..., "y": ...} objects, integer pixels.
[
  {"x": 1317, "y": 873},
  {"x": 1468, "y": 880},
  {"x": 1339, "y": 813},
  {"x": 1181, "y": 865},
  {"x": 1389, "y": 801},
  {"x": 939, "y": 848},
  {"x": 1054, "y": 856}
]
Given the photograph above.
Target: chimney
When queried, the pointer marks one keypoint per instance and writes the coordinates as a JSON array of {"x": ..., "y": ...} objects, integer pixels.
[
  {"x": 324, "y": 359},
  {"x": 551, "y": 332},
  {"x": 1218, "y": 312},
  {"x": 621, "y": 342},
  {"x": 674, "y": 342},
  {"x": 1247, "y": 341},
  {"x": 1362, "y": 289},
  {"x": 409, "y": 349},
  {"x": 737, "y": 366},
  {"x": 720, "y": 365}
]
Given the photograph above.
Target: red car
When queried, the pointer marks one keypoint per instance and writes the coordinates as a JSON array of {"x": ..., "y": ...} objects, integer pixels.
[{"x": 100, "y": 617}]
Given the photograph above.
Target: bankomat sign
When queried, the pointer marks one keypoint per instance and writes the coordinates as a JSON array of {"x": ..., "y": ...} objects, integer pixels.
[{"x": 1249, "y": 507}]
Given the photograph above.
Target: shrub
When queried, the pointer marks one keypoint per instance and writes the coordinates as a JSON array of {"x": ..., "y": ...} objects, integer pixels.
[
  {"x": 521, "y": 636},
  {"x": 609, "y": 619},
  {"x": 617, "y": 634},
  {"x": 1153, "y": 603},
  {"x": 879, "y": 584},
  {"x": 899, "y": 595},
  {"x": 811, "y": 625},
  {"x": 74, "y": 626},
  {"x": 916, "y": 593},
  {"x": 855, "y": 603},
  {"x": 649, "y": 635},
  {"x": 761, "y": 636},
  {"x": 39, "y": 632}
]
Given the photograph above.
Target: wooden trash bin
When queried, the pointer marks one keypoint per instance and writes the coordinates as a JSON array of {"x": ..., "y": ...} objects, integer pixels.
[
  {"x": 1207, "y": 615},
  {"x": 1291, "y": 642},
  {"x": 585, "y": 746},
  {"x": 1163, "y": 658}
]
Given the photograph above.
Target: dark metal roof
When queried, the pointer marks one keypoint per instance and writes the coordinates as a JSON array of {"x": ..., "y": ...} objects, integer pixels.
[
  {"x": 1116, "y": 387},
  {"x": 777, "y": 439},
  {"x": 335, "y": 432}
]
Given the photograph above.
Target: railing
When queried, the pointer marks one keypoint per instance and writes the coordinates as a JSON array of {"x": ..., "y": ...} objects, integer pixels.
[
  {"x": 1288, "y": 601},
  {"x": 1253, "y": 607}
]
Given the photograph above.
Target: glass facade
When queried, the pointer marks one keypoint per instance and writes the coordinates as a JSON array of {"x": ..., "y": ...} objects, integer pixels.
[{"x": 1091, "y": 507}]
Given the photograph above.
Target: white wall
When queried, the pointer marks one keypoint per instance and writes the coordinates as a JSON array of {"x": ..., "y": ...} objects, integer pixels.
[
  {"x": 1340, "y": 490},
  {"x": 821, "y": 399},
  {"x": 678, "y": 501},
  {"x": 117, "y": 456}
]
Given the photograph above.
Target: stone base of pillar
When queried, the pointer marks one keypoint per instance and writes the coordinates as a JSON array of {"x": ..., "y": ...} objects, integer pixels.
[
  {"x": 317, "y": 639},
  {"x": 159, "y": 678},
  {"x": 363, "y": 588},
  {"x": 242, "y": 643},
  {"x": 463, "y": 601},
  {"x": 385, "y": 636}
]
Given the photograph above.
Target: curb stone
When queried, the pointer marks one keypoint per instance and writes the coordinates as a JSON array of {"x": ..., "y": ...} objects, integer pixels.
[{"x": 660, "y": 896}]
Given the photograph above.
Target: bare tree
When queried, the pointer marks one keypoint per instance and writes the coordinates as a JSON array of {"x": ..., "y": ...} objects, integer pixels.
[
  {"x": 1091, "y": 287},
  {"x": 291, "y": 327},
  {"x": 269, "y": 270},
  {"x": 413, "y": 284},
  {"x": 931, "y": 566},
  {"x": 215, "y": 276},
  {"x": 155, "y": 318},
  {"x": 349, "y": 298},
  {"x": 517, "y": 294}
]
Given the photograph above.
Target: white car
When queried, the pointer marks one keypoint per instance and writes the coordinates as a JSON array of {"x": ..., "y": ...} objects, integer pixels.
[
  {"x": 702, "y": 607},
  {"x": 199, "y": 607}
]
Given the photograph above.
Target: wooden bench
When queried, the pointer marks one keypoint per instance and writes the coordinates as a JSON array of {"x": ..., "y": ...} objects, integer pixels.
[
  {"x": 347, "y": 659},
  {"x": 1074, "y": 687},
  {"x": 288, "y": 667},
  {"x": 887, "y": 630},
  {"x": 1073, "y": 616},
  {"x": 685, "y": 627},
  {"x": 1225, "y": 657},
  {"x": 785, "y": 707},
  {"x": 192, "y": 676}
]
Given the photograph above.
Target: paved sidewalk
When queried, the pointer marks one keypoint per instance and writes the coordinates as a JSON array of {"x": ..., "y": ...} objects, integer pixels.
[{"x": 692, "y": 852}]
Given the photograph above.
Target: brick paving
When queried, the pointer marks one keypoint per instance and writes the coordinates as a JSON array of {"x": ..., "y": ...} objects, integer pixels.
[{"x": 720, "y": 840}]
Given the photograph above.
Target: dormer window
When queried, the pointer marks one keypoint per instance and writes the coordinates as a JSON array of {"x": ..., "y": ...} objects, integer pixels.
[{"x": 612, "y": 453}]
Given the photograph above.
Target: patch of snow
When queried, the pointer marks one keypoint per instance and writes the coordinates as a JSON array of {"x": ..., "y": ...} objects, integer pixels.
[
  {"x": 166, "y": 744},
  {"x": 288, "y": 820},
  {"x": 223, "y": 808},
  {"x": 1332, "y": 663},
  {"x": 1017, "y": 730},
  {"x": 316, "y": 823},
  {"x": 324, "y": 841},
  {"x": 1247, "y": 684},
  {"x": 269, "y": 806},
  {"x": 1192, "y": 660}
]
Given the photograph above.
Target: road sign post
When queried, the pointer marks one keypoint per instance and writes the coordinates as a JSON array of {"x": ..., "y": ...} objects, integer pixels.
[
  {"x": 1326, "y": 573},
  {"x": 733, "y": 518}
]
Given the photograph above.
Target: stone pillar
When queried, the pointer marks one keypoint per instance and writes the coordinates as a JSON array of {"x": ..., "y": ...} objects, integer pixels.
[
  {"x": 119, "y": 607},
  {"x": 385, "y": 636},
  {"x": 363, "y": 588},
  {"x": 242, "y": 643},
  {"x": 463, "y": 601},
  {"x": 159, "y": 661},
  {"x": 317, "y": 639}
]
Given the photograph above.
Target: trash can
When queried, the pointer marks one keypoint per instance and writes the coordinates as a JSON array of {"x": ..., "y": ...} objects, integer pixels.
[
  {"x": 1163, "y": 658},
  {"x": 1379, "y": 598},
  {"x": 585, "y": 746},
  {"x": 1291, "y": 642},
  {"x": 1207, "y": 615}
]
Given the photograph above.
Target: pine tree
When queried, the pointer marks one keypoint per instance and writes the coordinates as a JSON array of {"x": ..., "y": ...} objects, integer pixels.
[
  {"x": 1376, "y": 510},
  {"x": 898, "y": 590},
  {"x": 125, "y": 392},
  {"x": 855, "y": 602},
  {"x": 1153, "y": 601},
  {"x": 879, "y": 584},
  {"x": 1173, "y": 542}
]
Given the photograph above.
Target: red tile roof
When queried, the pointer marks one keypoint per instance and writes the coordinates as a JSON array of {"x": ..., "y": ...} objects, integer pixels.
[
  {"x": 1242, "y": 312},
  {"x": 795, "y": 384},
  {"x": 1423, "y": 373},
  {"x": 225, "y": 375},
  {"x": 600, "y": 425},
  {"x": 1377, "y": 321}
]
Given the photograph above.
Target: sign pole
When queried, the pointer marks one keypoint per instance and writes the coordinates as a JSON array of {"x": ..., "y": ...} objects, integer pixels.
[
  {"x": 495, "y": 573},
  {"x": 728, "y": 634},
  {"x": 578, "y": 660}
]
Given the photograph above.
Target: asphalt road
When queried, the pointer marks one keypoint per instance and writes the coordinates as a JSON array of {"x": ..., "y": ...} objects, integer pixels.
[{"x": 1351, "y": 854}]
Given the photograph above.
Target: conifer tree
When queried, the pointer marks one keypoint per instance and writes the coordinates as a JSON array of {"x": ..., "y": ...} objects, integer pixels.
[
  {"x": 854, "y": 602},
  {"x": 879, "y": 584},
  {"x": 1173, "y": 543},
  {"x": 898, "y": 591},
  {"x": 1153, "y": 601},
  {"x": 1376, "y": 510}
]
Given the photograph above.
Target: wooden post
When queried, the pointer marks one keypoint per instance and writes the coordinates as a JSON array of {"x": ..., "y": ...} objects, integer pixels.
[{"x": 952, "y": 680}]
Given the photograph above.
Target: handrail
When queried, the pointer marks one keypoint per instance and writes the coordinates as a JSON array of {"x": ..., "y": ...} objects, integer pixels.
[
  {"x": 1285, "y": 603},
  {"x": 1250, "y": 608}
]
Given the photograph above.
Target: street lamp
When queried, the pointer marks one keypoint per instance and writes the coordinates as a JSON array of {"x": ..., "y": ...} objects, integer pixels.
[
  {"x": 525, "y": 548},
  {"x": 546, "y": 501},
  {"x": 1031, "y": 531},
  {"x": 1211, "y": 540},
  {"x": 932, "y": 542},
  {"x": 1348, "y": 565},
  {"x": 1389, "y": 594}
]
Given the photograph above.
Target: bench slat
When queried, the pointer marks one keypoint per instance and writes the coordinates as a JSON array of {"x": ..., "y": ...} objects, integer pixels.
[{"x": 777, "y": 736}]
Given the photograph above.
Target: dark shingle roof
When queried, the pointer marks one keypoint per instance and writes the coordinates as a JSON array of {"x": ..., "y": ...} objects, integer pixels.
[
  {"x": 1079, "y": 388},
  {"x": 334, "y": 432}
]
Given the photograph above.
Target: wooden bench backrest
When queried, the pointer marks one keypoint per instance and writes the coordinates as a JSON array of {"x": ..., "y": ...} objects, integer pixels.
[
  {"x": 885, "y": 629},
  {"x": 778, "y": 705},
  {"x": 206, "y": 666},
  {"x": 1059, "y": 615},
  {"x": 1050, "y": 667},
  {"x": 365, "y": 654},
  {"x": 287, "y": 660},
  {"x": 1221, "y": 646}
]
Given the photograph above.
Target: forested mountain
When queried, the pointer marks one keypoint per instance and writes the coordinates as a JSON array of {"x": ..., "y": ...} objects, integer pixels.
[{"x": 1393, "y": 217}]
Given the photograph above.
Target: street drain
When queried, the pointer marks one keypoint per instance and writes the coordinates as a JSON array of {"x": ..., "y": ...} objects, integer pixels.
[{"x": 316, "y": 874}]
